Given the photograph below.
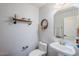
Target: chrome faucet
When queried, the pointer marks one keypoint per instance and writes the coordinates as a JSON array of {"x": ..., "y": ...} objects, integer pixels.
[{"x": 62, "y": 42}]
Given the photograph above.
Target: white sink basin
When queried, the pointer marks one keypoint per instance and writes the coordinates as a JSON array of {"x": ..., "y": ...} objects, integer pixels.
[{"x": 66, "y": 50}]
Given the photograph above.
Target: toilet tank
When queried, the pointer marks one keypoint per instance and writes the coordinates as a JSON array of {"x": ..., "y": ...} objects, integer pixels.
[{"x": 43, "y": 46}]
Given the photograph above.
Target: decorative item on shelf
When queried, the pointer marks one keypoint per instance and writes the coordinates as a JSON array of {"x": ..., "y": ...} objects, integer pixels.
[
  {"x": 28, "y": 21},
  {"x": 44, "y": 24}
]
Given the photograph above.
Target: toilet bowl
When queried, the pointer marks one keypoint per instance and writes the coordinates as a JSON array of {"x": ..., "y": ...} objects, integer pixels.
[{"x": 41, "y": 51}]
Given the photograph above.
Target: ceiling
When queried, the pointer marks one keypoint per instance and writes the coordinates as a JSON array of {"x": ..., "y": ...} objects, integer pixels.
[{"x": 38, "y": 4}]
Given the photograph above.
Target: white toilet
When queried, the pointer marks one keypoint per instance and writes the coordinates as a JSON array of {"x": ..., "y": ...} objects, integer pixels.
[{"x": 41, "y": 51}]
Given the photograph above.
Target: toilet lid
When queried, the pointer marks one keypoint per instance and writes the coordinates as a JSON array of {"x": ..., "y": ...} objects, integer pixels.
[{"x": 37, "y": 52}]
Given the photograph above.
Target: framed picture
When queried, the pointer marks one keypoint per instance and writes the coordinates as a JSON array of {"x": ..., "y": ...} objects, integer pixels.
[{"x": 44, "y": 24}]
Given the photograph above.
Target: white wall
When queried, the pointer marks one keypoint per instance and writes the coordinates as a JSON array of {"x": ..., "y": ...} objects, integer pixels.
[
  {"x": 15, "y": 36},
  {"x": 47, "y": 12}
]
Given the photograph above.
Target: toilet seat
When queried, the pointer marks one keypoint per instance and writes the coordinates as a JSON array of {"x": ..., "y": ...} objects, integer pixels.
[{"x": 37, "y": 52}]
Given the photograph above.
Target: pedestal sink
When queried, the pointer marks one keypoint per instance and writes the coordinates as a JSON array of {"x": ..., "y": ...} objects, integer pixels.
[{"x": 62, "y": 49}]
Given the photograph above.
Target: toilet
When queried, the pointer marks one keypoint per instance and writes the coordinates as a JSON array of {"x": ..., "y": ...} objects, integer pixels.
[{"x": 41, "y": 51}]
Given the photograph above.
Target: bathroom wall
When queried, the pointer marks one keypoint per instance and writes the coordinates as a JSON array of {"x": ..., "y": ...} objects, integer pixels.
[
  {"x": 15, "y": 36},
  {"x": 46, "y": 12},
  {"x": 47, "y": 35}
]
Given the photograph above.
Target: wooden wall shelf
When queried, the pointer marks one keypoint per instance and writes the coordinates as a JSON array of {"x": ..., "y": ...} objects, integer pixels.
[{"x": 28, "y": 21}]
